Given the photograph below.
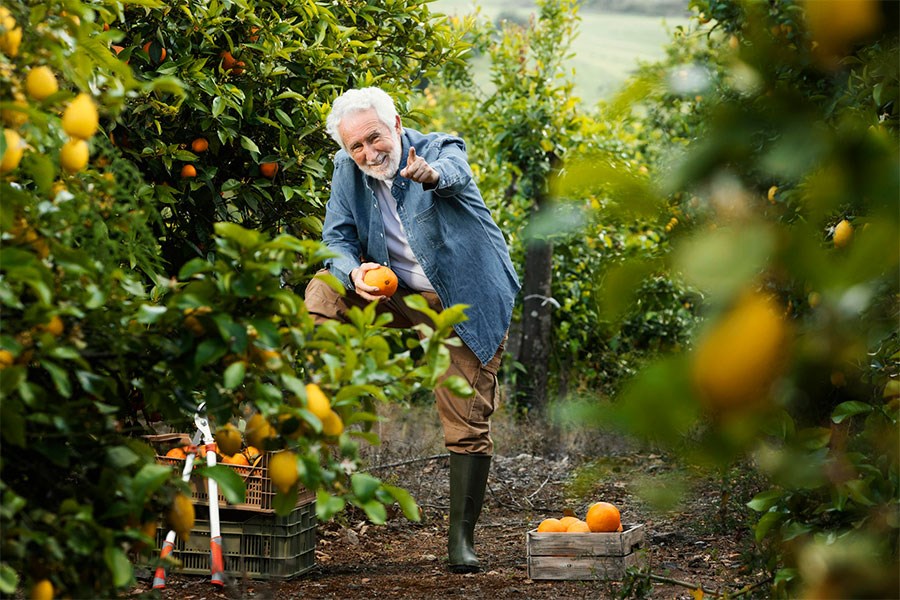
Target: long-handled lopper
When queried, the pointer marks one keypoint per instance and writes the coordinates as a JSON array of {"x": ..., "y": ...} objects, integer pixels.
[{"x": 217, "y": 563}]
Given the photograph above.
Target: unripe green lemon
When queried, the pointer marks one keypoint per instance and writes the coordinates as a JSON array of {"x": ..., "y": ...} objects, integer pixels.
[
  {"x": 41, "y": 83},
  {"x": 74, "y": 154},
  {"x": 80, "y": 118}
]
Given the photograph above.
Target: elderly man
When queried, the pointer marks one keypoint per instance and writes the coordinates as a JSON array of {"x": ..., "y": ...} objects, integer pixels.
[{"x": 407, "y": 200}]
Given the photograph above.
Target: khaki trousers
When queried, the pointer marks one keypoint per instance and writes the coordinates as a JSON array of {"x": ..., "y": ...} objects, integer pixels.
[{"x": 465, "y": 421}]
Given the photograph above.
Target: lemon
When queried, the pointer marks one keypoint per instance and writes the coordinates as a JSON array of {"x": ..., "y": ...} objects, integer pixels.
[
  {"x": 737, "y": 362},
  {"x": 229, "y": 439},
  {"x": 13, "y": 116},
  {"x": 843, "y": 233},
  {"x": 54, "y": 326},
  {"x": 42, "y": 590},
  {"x": 181, "y": 516},
  {"x": 11, "y": 36},
  {"x": 6, "y": 358},
  {"x": 12, "y": 156},
  {"x": 41, "y": 83},
  {"x": 74, "y": 154},
  {"x": 332, "y": 425},
  {"x": 283, "y": 470},
  {"x": 258, "y": 431},
  {"x": 316, "y": 401},
  {"x": 80, "y": 119}
]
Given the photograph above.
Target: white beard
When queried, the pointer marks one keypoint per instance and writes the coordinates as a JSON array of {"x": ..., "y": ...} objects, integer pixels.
[{"x": 387, "y": 169}]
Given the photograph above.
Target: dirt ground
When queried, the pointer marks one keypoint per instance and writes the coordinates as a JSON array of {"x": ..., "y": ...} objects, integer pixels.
[{"x": 533, "y": 476}]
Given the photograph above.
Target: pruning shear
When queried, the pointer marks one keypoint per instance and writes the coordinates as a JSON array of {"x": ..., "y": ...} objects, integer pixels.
[{"x": 217, "y": 563}]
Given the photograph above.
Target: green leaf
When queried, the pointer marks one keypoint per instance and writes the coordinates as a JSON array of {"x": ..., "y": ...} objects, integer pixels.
[
  {"x": 60, "y": 378},
  {"x": 328, "y": 505},
  {"x": 120, "y": 457},
  {"x": 845, "y": 410},
  {"x": 765, "y": 523},
  {"x": 364, "y": 486},
  {"x": 119, "y": 565},
  {"x": 9, "y": 579},
  {"x": 458, "y": 386},
  {"x": 405, "y": 500},
  {"x": 218, "y": 106},
  {"x": 376, "y": 511},
  {"x": 249, "y": 145},
  {"x": 234, "y": 374},
  {"x": 149, "y": 479},
  {"x": 230, "y": 483},
  {"x": 194, "y": 266},
  {"x": 149, "y": 314},
  {"x": 284, "y": 502},
  {"x": 763, "y": 501},
  {"x": 231, "y": 231}
]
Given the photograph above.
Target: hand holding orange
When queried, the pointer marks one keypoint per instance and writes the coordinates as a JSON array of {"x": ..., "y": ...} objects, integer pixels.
[{"x": 384, "y": 279}]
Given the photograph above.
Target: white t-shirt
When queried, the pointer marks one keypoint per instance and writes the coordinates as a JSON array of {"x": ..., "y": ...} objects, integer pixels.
[{"x": 403, "y": 261}]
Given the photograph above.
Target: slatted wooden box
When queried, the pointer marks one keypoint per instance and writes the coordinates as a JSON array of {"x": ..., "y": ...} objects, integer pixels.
[{"x": 580, "y": 556}]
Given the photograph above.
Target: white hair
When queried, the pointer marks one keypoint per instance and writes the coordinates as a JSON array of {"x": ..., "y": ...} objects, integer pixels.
[{"x": 357, "y": 100}]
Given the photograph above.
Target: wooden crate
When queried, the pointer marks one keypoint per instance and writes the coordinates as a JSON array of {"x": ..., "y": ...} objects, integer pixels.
[{"x": 584, "y": 555}]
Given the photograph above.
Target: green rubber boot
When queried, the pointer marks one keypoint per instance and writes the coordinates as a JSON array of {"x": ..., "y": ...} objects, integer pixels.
[{"x": 468, "y": 478}]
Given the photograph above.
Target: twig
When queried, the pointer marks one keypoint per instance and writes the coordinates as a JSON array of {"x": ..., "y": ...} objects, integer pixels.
[
  {"x": 409, "y": 461},
  {"x": 685, "y": 584},
  {"x": 535, "y": 492}
]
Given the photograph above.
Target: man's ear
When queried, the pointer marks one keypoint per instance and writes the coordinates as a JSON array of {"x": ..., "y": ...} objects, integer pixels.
[{"x": 398, "y": 126}]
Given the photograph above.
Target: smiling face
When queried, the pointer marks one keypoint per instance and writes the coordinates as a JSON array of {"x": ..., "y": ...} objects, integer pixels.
[{"x": 373, "y": 146}]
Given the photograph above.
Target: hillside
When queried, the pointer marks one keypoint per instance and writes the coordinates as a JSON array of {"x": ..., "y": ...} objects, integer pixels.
[{"x": 609, "y": 45}]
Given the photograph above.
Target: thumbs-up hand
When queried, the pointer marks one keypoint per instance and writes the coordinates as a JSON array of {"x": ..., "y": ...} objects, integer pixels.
[{"x": 418, "y": 169}]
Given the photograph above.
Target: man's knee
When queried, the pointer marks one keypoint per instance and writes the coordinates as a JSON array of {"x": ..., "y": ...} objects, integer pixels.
[{"x": 321, "y": 300}]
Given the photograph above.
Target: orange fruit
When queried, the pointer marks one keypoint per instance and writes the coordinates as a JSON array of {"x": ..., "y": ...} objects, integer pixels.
[
  {"x": 603, "y": 517},
  {"x": 384, "y": 279},
  {"x": 268, "y": 169},
  {"x": 199, "y": 145},
  {"x": 188, "y": 171},
  {"x": 251, "y": 453},
  {"x": 176, "y": 452},
  {"x": 578, "y": 526},
  {"x": 162, "y": 50},
  {"x": 235, "y": 459},
  {"x": 568, "y": 520},
  {"x": 228, "y": 60},
  {"x": 551, "y": 525},
  {"x": 238, "y": 67}
]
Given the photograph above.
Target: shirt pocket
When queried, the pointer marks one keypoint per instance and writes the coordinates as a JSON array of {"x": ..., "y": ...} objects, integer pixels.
[{"x": 428, "y": 223}]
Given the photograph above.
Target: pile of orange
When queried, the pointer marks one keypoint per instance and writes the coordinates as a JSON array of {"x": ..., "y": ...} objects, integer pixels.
[{"x": 601, "y": 517}]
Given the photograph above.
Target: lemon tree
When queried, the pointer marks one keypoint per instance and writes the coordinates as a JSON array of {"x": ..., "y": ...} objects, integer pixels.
[{"x": 130, "y": 296}]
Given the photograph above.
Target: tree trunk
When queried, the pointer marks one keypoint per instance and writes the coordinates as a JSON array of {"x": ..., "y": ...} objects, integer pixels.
[{"x": 537, "y": 320}]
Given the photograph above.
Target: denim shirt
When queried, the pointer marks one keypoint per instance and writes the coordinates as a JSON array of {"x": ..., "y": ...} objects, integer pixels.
[{"x": 449, "y": 228}]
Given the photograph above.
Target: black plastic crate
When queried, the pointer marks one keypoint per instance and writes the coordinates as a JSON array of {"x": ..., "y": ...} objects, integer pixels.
[{"x": 255, "y": 545}]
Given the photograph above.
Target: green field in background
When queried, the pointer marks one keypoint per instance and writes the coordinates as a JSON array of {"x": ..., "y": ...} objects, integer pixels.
[{"x": 606, "y": 51}]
